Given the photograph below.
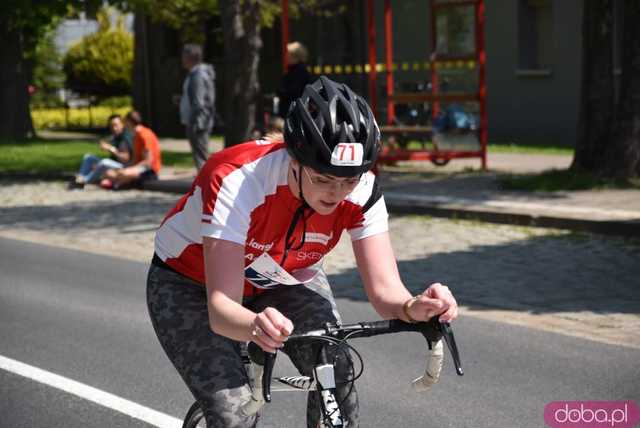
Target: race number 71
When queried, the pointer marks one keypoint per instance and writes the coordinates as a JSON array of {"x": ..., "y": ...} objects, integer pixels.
[{"x": 347, "y": 154}]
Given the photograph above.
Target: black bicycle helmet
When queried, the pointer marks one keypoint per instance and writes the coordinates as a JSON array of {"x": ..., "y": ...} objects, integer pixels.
[{"x": 332, "y": 130}]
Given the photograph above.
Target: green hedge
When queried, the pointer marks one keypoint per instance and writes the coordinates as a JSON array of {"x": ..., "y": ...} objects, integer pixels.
[{"x": 50, "y": 118}]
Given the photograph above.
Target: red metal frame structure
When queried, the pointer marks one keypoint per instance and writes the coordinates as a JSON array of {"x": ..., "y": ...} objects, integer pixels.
[
  {"x": 371, "y": 23},
  {"x": 389, "y": 155},
  {"x": 482, "y": 80},
  {"x": 285, "y": 34},
  {"x": 388, "y": 50}
]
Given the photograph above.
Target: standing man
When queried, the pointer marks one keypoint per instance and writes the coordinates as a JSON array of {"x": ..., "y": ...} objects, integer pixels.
[{"x": 197, "y": 104}]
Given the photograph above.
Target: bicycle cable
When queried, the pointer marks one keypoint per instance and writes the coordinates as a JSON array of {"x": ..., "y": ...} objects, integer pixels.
[
  {"x": 352, "y": 381},
  {"x": 341, "y": 345}
]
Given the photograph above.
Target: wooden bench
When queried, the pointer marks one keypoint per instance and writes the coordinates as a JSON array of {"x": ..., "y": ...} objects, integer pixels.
[{"x": 400, "y": 135}]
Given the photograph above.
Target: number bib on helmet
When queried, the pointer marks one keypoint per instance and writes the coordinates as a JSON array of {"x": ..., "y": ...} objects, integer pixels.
[{"x": 347, "y": 154}]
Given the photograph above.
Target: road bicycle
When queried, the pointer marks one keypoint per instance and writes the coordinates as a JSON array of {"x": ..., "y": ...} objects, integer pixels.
[{"x": 260, "y": 366}]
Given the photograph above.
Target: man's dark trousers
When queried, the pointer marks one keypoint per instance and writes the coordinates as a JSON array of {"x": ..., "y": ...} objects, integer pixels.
[{"x": 199, "y": 142}]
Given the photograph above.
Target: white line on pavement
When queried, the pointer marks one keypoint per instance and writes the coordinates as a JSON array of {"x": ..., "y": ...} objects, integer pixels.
[{"x": 90, "y": 393}]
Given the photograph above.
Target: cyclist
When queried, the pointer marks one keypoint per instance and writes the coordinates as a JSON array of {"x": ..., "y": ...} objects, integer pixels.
[{"x": 259, "y": 217}]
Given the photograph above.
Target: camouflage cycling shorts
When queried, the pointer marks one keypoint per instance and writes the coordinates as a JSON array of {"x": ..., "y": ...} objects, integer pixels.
[{"x": 211, "y": 365}]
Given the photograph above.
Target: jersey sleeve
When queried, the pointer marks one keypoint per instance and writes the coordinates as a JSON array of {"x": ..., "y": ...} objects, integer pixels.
[
  {"x": 228, "y": 198},
  {"x": 370, "y": 216}
]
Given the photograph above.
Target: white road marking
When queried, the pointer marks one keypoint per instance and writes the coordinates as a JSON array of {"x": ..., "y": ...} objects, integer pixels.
[{"x": 90, "y": 393}]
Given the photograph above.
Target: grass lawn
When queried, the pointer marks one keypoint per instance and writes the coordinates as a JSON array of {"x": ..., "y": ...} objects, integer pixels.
[
  {"x": 541, "y": 149},
  {"x": 39, "y": 156},
  {"x": 562, "y": 179}
]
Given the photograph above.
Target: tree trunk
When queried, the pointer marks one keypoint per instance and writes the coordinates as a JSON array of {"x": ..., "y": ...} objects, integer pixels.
[
  {"x": 157, "y": 76},
  {"x": 242, "y": 44},
  {"x": 15, "y": 116},
  {"x": 608, "y": 143}
]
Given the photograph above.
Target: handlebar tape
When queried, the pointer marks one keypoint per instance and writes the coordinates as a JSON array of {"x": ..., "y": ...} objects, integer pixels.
[{"x": 435, "y": 357}]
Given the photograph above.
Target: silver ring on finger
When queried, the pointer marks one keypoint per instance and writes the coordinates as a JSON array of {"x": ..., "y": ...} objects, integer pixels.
[{"x": 257, "y": 331}]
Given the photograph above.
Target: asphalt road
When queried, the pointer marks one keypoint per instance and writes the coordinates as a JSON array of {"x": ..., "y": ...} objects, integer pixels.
[{"x": 84, "y": 317}]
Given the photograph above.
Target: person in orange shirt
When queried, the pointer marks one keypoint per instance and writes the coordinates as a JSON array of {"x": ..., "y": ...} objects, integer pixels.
[{"x": 146, "y": 161}]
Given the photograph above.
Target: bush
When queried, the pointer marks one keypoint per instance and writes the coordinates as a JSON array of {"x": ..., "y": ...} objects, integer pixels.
[
  {"x": 56, "y": 118},
  {"x": 101, "y": 63},
  {"x": 116, "y": 102}
]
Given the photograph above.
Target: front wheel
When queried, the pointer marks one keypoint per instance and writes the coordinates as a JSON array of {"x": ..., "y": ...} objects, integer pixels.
[{"x": 195, "y": 417}]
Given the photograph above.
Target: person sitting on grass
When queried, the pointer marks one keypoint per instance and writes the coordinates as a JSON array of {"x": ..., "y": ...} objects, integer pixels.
[
  {"x": 119, "y": 147},
  {"x": 146, "y": 161}
]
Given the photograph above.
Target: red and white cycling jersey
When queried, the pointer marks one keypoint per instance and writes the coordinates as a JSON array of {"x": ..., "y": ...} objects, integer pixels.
[{"x": 241, "y": 195}]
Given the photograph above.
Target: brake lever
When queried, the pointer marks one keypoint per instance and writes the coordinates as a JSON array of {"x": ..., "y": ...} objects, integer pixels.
[
  {"x": 450, "y": 340},
  {"x": 267, "y": 360},
  {"x": 435, "y": 330}
]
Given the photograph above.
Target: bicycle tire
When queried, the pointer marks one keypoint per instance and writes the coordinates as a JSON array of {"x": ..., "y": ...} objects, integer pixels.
[
  {"x": 440, "y": 161},
  {"x": 194, "y": 417}
]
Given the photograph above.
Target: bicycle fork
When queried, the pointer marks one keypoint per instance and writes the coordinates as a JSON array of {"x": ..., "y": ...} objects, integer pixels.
[
  {"x": 324, "y": 374},
  {"x": 325, "y": 383}
]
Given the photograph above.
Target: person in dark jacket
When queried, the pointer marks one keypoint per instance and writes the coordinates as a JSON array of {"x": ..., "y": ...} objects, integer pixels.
[
  {"x": 197, "y": 104},
  {"x": 296, "y": 77}
]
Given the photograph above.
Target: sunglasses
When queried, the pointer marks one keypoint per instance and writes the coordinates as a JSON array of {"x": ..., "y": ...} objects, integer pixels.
[{"x": 322, "y": 182}]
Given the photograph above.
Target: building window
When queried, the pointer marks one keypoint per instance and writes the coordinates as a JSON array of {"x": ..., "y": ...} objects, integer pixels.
[{"x": 535, "y": 36}]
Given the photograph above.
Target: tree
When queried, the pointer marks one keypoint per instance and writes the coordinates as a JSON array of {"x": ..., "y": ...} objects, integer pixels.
[
  {"x": 161, "y": 27},
  {"x": 241, "y": 22},
  {"x": 242, "y": 44},
  {"x": 101, "y": 63},
  {"x": 22, "y": 24},
  {"x": 608, "y": 142},
  {"x": 48, "y": 77},
  {"x": 189, "y": 17}
]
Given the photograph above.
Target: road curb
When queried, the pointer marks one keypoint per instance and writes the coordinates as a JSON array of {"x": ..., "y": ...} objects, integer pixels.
[
  {"x": 402, "y": 205},
  {"x": 171, "y": 186}
]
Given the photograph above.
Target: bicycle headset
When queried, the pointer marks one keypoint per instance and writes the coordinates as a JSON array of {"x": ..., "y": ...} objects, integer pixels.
[{"x": 328, "y": 114}]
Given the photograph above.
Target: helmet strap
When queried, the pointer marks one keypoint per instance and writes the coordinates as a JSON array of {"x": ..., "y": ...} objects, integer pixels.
[
  {"x": 300, "y": 184},
  {"x": 299, "y": 214}
]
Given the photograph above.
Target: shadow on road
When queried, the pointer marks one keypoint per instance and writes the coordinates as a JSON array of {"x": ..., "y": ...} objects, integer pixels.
[
  {"x": 568, "y": 273},
  {"x": 127, "y": 215}
]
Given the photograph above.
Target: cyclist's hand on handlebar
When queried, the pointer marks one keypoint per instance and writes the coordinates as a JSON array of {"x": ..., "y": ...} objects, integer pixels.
[
  {"x": 270, "y": 329},
  {"x": 435, "y": 300}
]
